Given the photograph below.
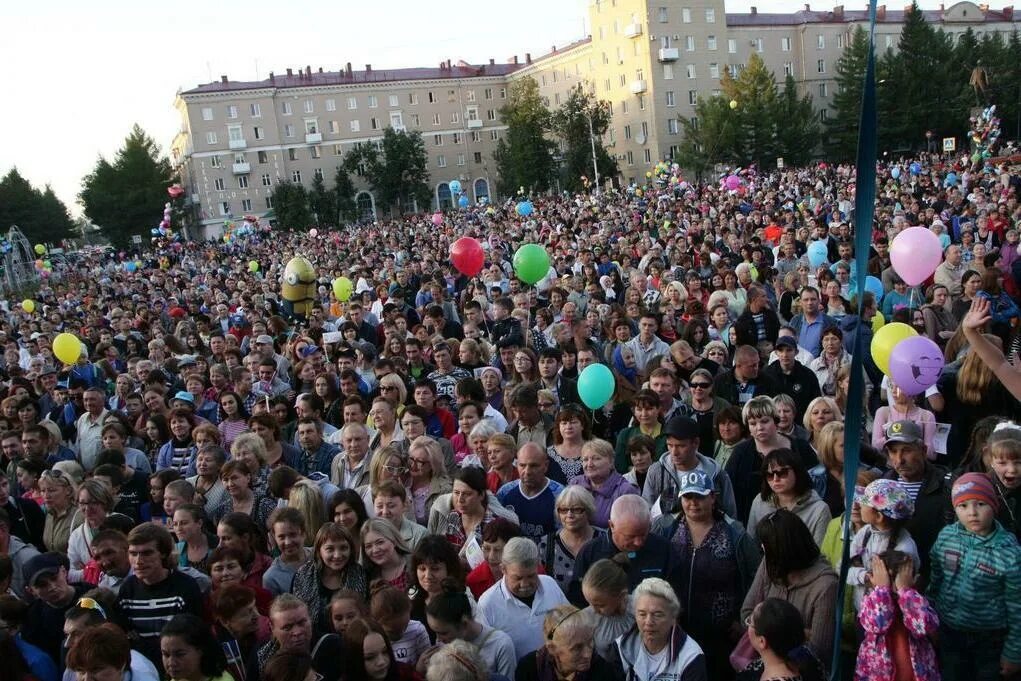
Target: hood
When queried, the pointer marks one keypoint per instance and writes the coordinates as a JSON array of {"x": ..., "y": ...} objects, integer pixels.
[
  {"x": 705, "y": 464},
  {"x": 807, "y": 500},
  {"x": 849, "y": 322}
]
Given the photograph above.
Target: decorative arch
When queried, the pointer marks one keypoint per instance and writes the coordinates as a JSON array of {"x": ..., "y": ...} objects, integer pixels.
[
  {"x": 481, "y": 188},
  {"x": 18, "y": 262},
  {"x": 366, "y": 204},
  {"x": 444, "y": 199}
]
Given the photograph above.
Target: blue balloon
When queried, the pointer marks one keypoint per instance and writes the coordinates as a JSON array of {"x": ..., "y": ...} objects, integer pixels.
[
  {"x": 130, "y": 266},
  {"x": 817, "y": 253},
  {"x": 455, "y": 187},
  {"x": 874, "y": 286},
  {"x": 951, "y": 180},
  {"x": 596, "y": 385},
  {"x": 915, "y": 168},
  {"x": 463, "y": 202},
  {"x": 895, "y": 172},
  {"x": 525, "y": 208}
]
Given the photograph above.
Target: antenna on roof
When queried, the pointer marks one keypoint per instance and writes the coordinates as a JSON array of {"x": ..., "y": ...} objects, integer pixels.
[
  {"x": 256, "y": 69},
  {"x": 209, "y": 72}
]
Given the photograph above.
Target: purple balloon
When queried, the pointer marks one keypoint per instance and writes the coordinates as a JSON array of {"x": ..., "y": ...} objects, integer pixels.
[{"x": 915, "y": 364}]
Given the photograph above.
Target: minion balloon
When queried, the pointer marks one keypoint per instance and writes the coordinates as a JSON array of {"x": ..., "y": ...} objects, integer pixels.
[{"x": 299, "y": 287}]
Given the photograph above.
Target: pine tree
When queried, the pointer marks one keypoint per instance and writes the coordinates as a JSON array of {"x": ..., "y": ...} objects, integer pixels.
[
  {"x": 710, "y": 138},
  {"x": 797, "y": 125},
  {"x": 344, "y": 195},
  {"x": 290, "y": 203},
  {"x": 399, "y": 174},
  {"x": 524, "y": 155},
  {"x": 755, "y": 92},
  {"x": 841, "y": 140}
]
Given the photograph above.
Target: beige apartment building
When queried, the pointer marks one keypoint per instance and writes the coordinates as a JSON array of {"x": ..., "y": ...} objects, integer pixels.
[{"x": 650, "y": 59}]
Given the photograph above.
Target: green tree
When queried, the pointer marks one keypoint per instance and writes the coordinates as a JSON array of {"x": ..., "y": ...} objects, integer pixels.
[
  {"x": 841, "y": 141},
  {"x": 54, "y": 222},
  {"x": 126, "y": 197},
  {"x": 291, "y": 205},
  {"x": 797, "y": 125},
  {"x": 711, "y": 138},
  {"x": 579, "y": 123},
  {"x": 756, "y": 95},
  {"x": 399, "y": 174},
  {"x": 344, "y": 196},
  {"x": 323, "y": 203},
  {"x": 40, "y": 215},
  {"x": 524, "y": 155}
]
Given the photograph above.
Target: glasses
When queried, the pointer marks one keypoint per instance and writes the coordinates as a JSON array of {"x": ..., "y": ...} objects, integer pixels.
[
  {"x": 395, "y": 470},
  {"x": 571, "y": 510},
  {"x": 387, "y": 388},
  {"x": 91, "y": 604},
  {"x": 778, "y": 473},
  {"x": 418, "y": 462},
  {"x": 701, "y": 386},
  {"x": 546, "y": 405}
]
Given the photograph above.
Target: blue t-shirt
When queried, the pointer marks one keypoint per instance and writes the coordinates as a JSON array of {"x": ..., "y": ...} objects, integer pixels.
[{"x": 536, "y": 515}]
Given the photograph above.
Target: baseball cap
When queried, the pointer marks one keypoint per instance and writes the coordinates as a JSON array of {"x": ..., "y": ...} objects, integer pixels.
[
  {"x": 681, "y": 428},
  {"x": 309, "y": 351},
  {"x": 903, "y": 431},
  {"x": 186, "y": 361},
  {"x": 786, "y": 342},
  {"x": 264, "y": 338},
  {"x": 184, "y": 396},
  {"x": 695, "y": 482},
  {"x": 42, "y": 565}
]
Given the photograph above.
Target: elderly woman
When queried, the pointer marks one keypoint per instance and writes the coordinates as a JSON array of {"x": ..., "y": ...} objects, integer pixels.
[
  {"x": 794, "y": 569},
  {"x": 384, "y": 419},
  {"x": 717, "y": 352},
  {"x": 786, "y": 484},
  {"x": 457, "y": 661},
  {"x": 575, "y": 510},
  {"x": 569, "y": 651},
  {"x": 95, "y": 503},
  {"x": 821, "y": 410},
  {"x": 62, "y": 516},
  {"x": 716, "y": 579},
  {"x": 238, "y": 481},
  {"x": 601, "y": 479},
  {"x": 657, "y": 646},
  {"x": 787, "y": 410},
  {"x": 428, "y": 476},
  {"x": 206, "y": 481},
  {"x": 830, "y": 360}
]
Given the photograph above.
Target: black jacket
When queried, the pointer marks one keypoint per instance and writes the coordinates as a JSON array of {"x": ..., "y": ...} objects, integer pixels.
[
  {"x": 656, "y": 558},
  {"x": 802, "y": 385},
  {"x": 725, "y": 387},
  {"x": 748, "y": 333},
  {"x": 27, "y": 520},
  {"x": 745, "y": 470}
]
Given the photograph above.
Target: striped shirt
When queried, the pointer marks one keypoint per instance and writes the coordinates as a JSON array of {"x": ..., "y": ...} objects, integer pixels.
[{"x": 147, "y": 608}]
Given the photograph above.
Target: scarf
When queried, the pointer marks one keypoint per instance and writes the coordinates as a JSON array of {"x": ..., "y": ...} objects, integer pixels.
[{"x": 631, "y": 374}]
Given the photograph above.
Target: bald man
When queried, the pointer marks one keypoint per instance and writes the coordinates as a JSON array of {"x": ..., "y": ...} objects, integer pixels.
[{"x": 532, "y": 496}]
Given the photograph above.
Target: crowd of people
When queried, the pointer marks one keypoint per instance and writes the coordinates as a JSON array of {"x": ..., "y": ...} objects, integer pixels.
[{"x": 407, "y": 484}]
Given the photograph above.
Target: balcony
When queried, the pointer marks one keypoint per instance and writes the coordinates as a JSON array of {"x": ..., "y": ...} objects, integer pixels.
[
  {"x": 638, "y": 87},
  {"x": 241, "y": 168},
  {"x": 236, "y": 144},
  {"x": 669, "y": 54},
  {"x": 473, "y": 124},
  {"x": 313, "y": 137},
  {"x": 632, "y": 30}
]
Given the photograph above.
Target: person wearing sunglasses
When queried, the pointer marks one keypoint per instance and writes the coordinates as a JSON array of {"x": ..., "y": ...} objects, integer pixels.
[
  {"x": 787, "y": 484},
  {"x": 705, "y": 405}
]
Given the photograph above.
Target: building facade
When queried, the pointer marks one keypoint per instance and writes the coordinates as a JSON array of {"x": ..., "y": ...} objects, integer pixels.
[{"x": 650, "y": 59}]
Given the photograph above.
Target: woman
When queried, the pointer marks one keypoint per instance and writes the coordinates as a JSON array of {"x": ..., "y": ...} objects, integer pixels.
[
  {"x": 390, "y": 463},
  {"x": 304, "y": 373},
  {"x": 469, "y": 355},
  {"x": 385, "y": 554},
  {"x": 836, "y": 306},
  {"x": 449, "y": 615},
  {"x": 101, "y": 652},
  {"x": 395, "y": 391},
  {"x": 971, "y": 284},
  {"x": 333, "y": 567},
  {"x": 793, "y": 569},
  {"x": 369, "y": 655},
  {"x": 177, "y": 452},
  {"x": 463, "y": 515},
  {"x": 233, "y": 417},
  {"x": 432, "y": 562},
  {"x": 656, "y": 645},
  {"x": 605, "y": 588},
  {"x": 194, "y": 546},
  {"x": 428, "y": 476},
  {"x": 786, "y": 409},
  {"x": 238, "y": 480},
  {"x": 490, "y": 571},
  {"x": 384, "y": 420},
  {"x": 571, "y": 430},
  {"x": 157, "y": 431},
  {"x": 524, "y": 368},
  {"x": 469, "y": 414},
  {"x": 601, "y": 479},
  {"x": 786, "y": 484},
  {"x": 95, "y": 502},
  {"x": 333, "y": 404},
  {"x": 737, "y": 297},
  {"x": 705, "y": 405},
  {"x": 821, "y": 410},
  {"x": 828, "y": 476},
  {"x": 558, "y": 550},
  {"x": 776, "y": 631},
  {"x": 717, "y": 352},
  {"x": 191, "y": 652},
  {"x": 492, "y": 384},
  {"x": 939, "y": 321},
  {"x": 729, "y": 431},
  {"x": 831, "y": 359},
  {"x": 239, "y": 532},
  {"x": 569, "y": 651},
  {"x": 719, "y": 322},
  {"x": 347, "y": 509},
  {"x": 1003, "y": 310},
  {"x": 62, "y": 515},
  {"x": 277, "y": 453},
  {"x": 239, "y": 627}
]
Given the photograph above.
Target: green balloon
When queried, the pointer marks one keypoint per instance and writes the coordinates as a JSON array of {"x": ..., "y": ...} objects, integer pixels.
[{"x": 531, "y": 263}]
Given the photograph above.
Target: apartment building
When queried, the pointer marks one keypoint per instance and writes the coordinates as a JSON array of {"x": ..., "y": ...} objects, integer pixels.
[{"x": 650, "y": 59}]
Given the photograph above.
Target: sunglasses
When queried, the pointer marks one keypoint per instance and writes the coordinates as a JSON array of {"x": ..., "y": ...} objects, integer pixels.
[
  {"x": 778, "y": 473},
  {"x": 91, "y": 604},
  {"x": 701, "y": 386}
]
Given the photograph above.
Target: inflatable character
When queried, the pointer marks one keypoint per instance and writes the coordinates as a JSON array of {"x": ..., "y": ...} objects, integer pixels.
[{"x": 299, "y": 287}]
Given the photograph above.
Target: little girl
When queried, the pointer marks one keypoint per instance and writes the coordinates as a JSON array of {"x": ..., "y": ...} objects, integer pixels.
[
  {"x": 902, "y": 407},
  {"x": 392, "y": 609},
  {"x": 885, "y": 508},
  {"x": 29, "y": 471},
  {"x": 1002, "y": 457},
  {"x": 641, "y": 449}
]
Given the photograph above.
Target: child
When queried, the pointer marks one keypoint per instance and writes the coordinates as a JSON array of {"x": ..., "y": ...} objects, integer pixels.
[
  {"x": 29, "y": 471},
  {"x": 640, "y": 448},
  {"x": 885, "y": 508},
  {"x": 287, "y": 526},
  {"x": 975, "y": 587},
  {"x": 1002, "y": 456},
  {"x": 897, "y": 625},
  {"x": 346, "y": 606},
  {"x": 392, "y": 609}
]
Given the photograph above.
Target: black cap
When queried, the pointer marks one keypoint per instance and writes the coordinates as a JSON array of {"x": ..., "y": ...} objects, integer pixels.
[
  {"x": 681, "y": 428},
  {"x": 43, "y": 564},
  {"x": 786, "y": 341}
]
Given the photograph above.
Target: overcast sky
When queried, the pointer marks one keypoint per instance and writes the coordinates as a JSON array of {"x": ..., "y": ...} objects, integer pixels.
[{"x": 76, "y": 75}]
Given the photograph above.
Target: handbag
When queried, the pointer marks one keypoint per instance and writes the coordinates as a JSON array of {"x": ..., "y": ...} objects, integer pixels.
[{"x": 743, "y": 654}]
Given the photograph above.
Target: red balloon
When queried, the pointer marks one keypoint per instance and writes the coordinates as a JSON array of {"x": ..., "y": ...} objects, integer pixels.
[{"x": 467, "y": 256}]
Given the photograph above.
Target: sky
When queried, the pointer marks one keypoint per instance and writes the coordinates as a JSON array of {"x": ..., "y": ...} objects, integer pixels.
[{"x": 77, "y": 76}]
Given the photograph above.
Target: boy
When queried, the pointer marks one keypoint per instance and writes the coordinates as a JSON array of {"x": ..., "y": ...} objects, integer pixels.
[
  {"x": 975, "y": 586},
  {"x": 288, "y": 528}
]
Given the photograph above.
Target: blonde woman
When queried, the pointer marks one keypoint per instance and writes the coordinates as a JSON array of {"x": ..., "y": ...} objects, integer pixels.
[
  {"x": 428, "y": 476},
  {"x": 62, "y": 516},
  {"x": 821, "y": 411},
  {"x": 306, "y": 498}
]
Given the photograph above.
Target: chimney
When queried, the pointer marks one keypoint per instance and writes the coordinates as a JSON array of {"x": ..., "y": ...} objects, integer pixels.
[
  {"x": 515, "y": 59},
  {"x": 755, "y": 10},
  {"x": 320, "y": 69},
  {"x": 881, "y": 13},
  {"x": 271, "y": 78},
  {"x": 492, "y": 62},
  {"x": 1008, "y": 12},
  {"x": 528, "y": 57},
  {"x": 808, "y": 7},
  {"x": 290, "y": 72},
  {"x": 838, "y": 11},
  {"x": 368, "y": 68},
  {"x": 223, "y": 79},
  {"x": 448, "y": 65},
  {"x": 347, "y": 69}
]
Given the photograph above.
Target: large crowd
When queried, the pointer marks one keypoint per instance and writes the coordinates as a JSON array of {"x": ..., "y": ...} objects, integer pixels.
[{"x": 405, "y": 482}]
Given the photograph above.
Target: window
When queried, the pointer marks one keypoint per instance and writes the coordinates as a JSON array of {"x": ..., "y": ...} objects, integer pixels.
[
  {"x": 352, "y": 103},
  {"x": 292, "y": 154},
  {"x": 476, "y": 136},
  {"x": 624, "y": 107},
  {"x": 267, "y": 181},
  {"x": 670, "y": 98},
  {"x": 240, "y": 158},
  {"x": 311, "y": 126},
  {"x": 487, "y": 93},
  {"x": 309, "y": 106},
  {"x": 758, "y": 44},
  {"x": 641, "y": 102},
  {"x": 373, "y": 123},
  {"x": 606, "y": 84},
  {"x": 690, "y": 68},
  {"x": 334, "y": 127},
  {"x": 296, "y": 176},
  {"x": 710, "y": 43},
  {"x": 693, "y": 97},
  {"x": 317, "y": 173},
  {"x": 316, "y": 151},
  {"x": 672, "y": 126},
  {"x": 396, "y": 120},
  {"x": 258, "y": 133},
  {"x": 788, "y": 68},
  {"x": 393, "y": 101},
  {"x": 214, "y": 162},
  {"x": 210, "y": 137},
  {"x": 674, "y": 150},
  {"x": 234, "y": 133},
  {"x": 218, "y": 184},
  {"x": 455, "y": 116},
  {"x": 441, "y": 161},
  {"x": 432, "y": 98},
  {"x": 823, "y": 90},
  {"x": 269, "y": 203},
  {"x": 472, "y": 113},
  {"x": 494, "y": 135},
  {"x": 207, "y": 113},
  {"x": 225, "y": 208},
  {"x": 889, "y": 41},
  {"x": 785, "y": 44},
  {"x": 820, "y": 42},
  {"x": 356, "y": 126},
  {"x": 627, "y": 132},
  {"x": 460, "y": 159},
  {"x": 263, "y": 157},
  {"x": 731, "y": 46},
  {"x": 255, "y": 110},
  {"x": 490, "y": 114},
  {"x": 436, "y": 119},
  {"x": 246, "y": 205},
  {"x": 841, "y": 40},
  {"x": 648, "y": 155},
  {"x": 668, "y": 71},
  {"x": 415, "y": 121},
  {"x": 623, "y": 80},
  {"x": 242, "y": 182},
  {"x": 823, "y": 115},
  {"x": 714, "y": 70},
  {"x": 689, "y": 43},
  {"x": 373, "y": 102},
  {"x": 285, "y": 108},
  {"x": 663, "y": 16},
  {"x": 470, "y": 94},
  {"x": 477, "y": 157},
  {"x": 710, "y": 15},
  {"x": 821, "y": 66},
  {"x": 412, "y": 98},
  {"x": 686, "y": 15},
  {"x": 331, "y": 105},
  {"x": 645, "y": 130},
  {"x": 338, "y": 149},
  {"x": 457, "y": 138},
  {"x": 630, "y": 158}
]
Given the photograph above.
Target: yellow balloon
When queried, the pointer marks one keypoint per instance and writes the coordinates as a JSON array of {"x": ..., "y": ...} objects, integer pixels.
[
  {"x": 733, "y": 104},
  {"x": 877, "y": 323},
  {"x": 28, "y": 305},
  {"x": 885, "y": 340},
  {"x": 40, "y": 249},
  {"x": 67, "y": 348},
  {"x": 343, "y": 288}
]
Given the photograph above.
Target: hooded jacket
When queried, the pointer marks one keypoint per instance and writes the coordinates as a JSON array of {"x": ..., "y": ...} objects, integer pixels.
[
  {"x": 685, "y": 660},
  {"x": 20, "y": 553},
  {"x": 663, "y": 484},
  {"x": 812, "y": 510},
  {"x": 443, "y": 504}
]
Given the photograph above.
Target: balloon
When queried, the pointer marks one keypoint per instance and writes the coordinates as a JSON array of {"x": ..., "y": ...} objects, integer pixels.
[
  {"x": 915, "y": 168},
  {"x": 525, "y": 208},
  {"x": 130, "y": 266},
  {"x": 28, "y": 305},
  {"x": 733, "y": 104},
  {"x": 951, "y": 179},
  {"x": 40, "y": 249},
  {"x": 895, "y": 172},
  {"x": 437, "y": 219},
  {"x": 885, "y": 340},
  {"x": 67, "y": 348},
  {"x": 531, "y": 263},
  {"x": 915, "y": 364},
  {"x": 313, "y": 232},
  {"x": 253, "y": 266},
  {"x": 817, "y": 253},
  {"x": 915, "y": 253},
  {"x": 455, "y": 187},
  {"x": 733, "y": 182},
  {"x": 877, "y": 323},
  {"x": 463, "y": 202},
  {"x": 875, "y": 287},
  {"x": 175, "y": 190},
  {"x": 467, "y": 256},
  {"x": 596, "y": 385},
  {"x": 343, "y": 288}
]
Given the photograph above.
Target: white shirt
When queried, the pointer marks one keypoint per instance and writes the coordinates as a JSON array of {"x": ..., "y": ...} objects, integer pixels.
[{"x": 499, "y": 608}]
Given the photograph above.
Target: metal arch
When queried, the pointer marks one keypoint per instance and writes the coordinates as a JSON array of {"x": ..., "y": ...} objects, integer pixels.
[{"x": 19, "y": 263}]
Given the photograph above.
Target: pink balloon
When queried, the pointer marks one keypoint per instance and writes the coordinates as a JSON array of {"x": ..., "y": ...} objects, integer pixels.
[
  {"x": 313, "y": 232},
  {"x": 733, "y": 182},
  {"x": 437, "y": 219},
  {"x": 915, "y": 253}
]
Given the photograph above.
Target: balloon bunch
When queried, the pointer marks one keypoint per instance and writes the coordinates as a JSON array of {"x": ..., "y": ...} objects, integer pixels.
[
  {"x": 132, "y": 266},
  {"x": 524, "y": 208},
  {"x": 163, "y": 230},
  {"x": 984, "y": 134},
  {"x": 44, "y": 268}
]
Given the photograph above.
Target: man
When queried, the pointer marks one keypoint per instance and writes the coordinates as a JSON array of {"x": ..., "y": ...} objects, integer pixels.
[
  {"x": 518, "y": 603},
  {"x": 792, "y": 377},
  {"x": 649, "y": 555},
  {"x": 437, "y": 323},
  {"x": 811, "y": 321},
  {"x": 758, "y": 323},
  {"x": 316, "y": 454},
  {"x": 647, "y": 344},
  {"x": 507, "y": 347},
  {"x": 586, "y": 357},
  {"x": 744, "y": 381},
  {"x": 688, "y": 361},
  {"x": 110, "y": 549},
  {"x": 446, "y": 375},
  {"x": 504, "y": 325},
  {"x": 308, "y": 406},
  {"x": 439, "y": 422},
  {"x": 46, "y": 582},
  {"x": 881, "y": 262},
  {"x": 350, "y": 468},
  {"x": 849, "y": 326},
  {"x": 662, "y": 484},
  {"x": 390, "y": 502},
  {"x": 529, "y": 424},
  {"x": 291, "y": 631},
  {"x": 89, "y": 428},
  {"x": 18, "y": 551},
  {"x": 564, "y": 390},
  {"x": 471, "y": 390},
  {"x": 155, "y": 591},
  {"x": 269, "y": 384},
  {"x": 664, "y": 384},
  {"x": 265, "y": 351},
  {"x": 925, "y": 482},
  {"x": 532, "y": 496},
  {"x": 241, "y": 379},
  {"x": 949, "y": 272},
  {"x": 25, "y": 520},
  {"x": 418, "y": 368}
]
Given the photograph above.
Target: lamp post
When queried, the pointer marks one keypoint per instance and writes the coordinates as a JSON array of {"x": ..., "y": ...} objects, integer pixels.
[{"x": 595, "y": 160}]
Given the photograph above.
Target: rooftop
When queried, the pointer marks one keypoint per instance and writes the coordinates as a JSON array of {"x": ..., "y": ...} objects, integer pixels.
[{"x": 838, "y": 15}]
